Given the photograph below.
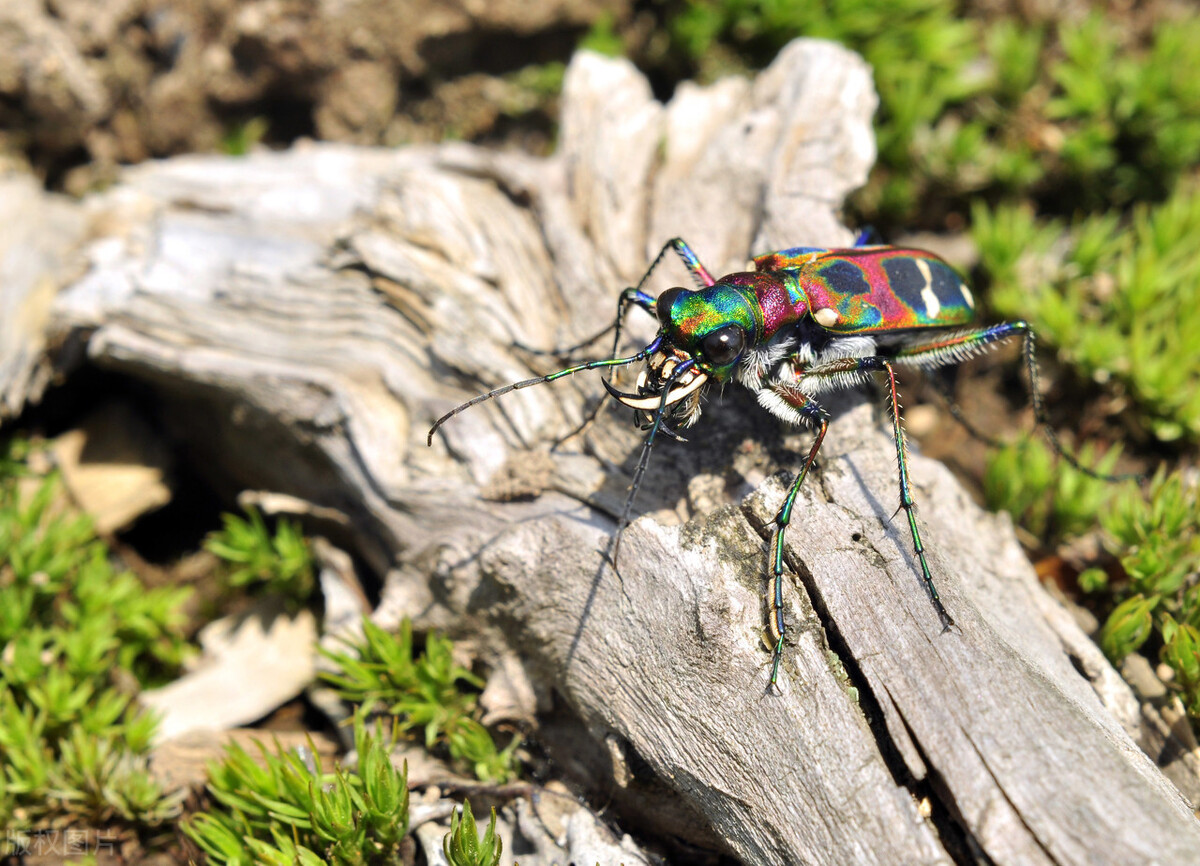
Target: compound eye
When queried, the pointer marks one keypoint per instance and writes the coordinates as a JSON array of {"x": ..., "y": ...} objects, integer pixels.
[
  {"x": 662, "y": 307},
  {"x": 723, "y": 345}
]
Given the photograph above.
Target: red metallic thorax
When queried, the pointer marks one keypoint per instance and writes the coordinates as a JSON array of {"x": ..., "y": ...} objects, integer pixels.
[{"x": 776, "y": 295}]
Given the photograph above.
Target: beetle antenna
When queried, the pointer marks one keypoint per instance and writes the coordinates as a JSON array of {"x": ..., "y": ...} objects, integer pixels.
[
  {"x": 644, "y": 457},
  {"x": 538, "y": 380}
]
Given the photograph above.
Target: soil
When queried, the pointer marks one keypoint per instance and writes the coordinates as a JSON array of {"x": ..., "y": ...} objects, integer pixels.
[{"x": 85, "y": 87}]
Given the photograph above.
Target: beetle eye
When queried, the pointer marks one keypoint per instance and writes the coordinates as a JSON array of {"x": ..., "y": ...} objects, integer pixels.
[
  {"x": 662, "y": 307},
  {"x": 723, "y": 345}
]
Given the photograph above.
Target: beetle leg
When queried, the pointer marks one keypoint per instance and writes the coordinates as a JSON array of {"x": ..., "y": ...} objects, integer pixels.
[
  {"x": 954, "y": 349},
  {"x": 841, "y": 370},
  {"x": 628, "y": 297},
  {"x": 958, "y": 347},
  {"x": 635, "y": 296},
  {"x": 690, "y": 261},
  {"x": 868, "y": 236},
  {"x": 802, "y": 407}
]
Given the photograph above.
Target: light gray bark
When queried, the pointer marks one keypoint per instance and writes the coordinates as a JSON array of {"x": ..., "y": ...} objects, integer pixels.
[
  {"x": 37, "y": 235},
  {"x": 306, "y": 315}
]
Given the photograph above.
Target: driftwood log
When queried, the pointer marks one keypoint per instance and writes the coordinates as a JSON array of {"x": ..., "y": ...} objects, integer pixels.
[{"x": 302, "y": 317}]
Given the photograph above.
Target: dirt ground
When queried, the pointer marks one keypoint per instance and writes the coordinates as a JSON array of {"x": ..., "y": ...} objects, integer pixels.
[{"x": 85, "y": 87}]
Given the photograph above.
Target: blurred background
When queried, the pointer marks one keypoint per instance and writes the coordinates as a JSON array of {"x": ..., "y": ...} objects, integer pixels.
[{"x": 1050, "y": 149}]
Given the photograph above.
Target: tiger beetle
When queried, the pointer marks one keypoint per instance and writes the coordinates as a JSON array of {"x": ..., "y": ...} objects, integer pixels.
[{"x": 805, "y": 321}]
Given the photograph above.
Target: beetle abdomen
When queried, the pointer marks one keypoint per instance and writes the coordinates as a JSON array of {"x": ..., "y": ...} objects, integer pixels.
[{"x": 862, "y": 290}]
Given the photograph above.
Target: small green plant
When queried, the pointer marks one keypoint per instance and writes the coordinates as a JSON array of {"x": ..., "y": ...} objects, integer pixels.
[
  {"x": 1044, "y": 494},
  {"x": 423, "y": 692},
  {"x": 1128, "y": 627},
  {"x": 542, "y": 80},
  {"x": 282, "y": 808},
  {"x": 1181, "y": 653},
  {"x": 602, "y": 36},
  {"x": 279, "y": 563},
  {"x": 241, "y": 138},
  {"x": 1012, "y": 244},
  {"x": 531, "y": 89},
  {"x": 74, "y": 634},
  {"x": 1014, "y": 49},
  {"x": 1156, "y": 535},
  {"x": 462, "y": 845},
  {"x": 1130, "y": 118},
  {"x": 1118, "y": 298}
]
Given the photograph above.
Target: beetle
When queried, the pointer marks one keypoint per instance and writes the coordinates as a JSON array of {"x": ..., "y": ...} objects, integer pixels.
[{"x": 805, "y": 321}]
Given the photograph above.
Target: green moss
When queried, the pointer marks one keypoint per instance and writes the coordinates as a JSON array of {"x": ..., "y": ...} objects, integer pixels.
[
  {"x": 1044, "y": 494},
  {"x": 283, "y": 807},
  {"x": 1156, "y": 535},
  {"x": 76, "y": 636},
  {"x": 278, "y": 562},
  {"x": 1130, "y": 115},
  {"x": 424, "y": 693},
  {"x": 1116, "y": 296}
]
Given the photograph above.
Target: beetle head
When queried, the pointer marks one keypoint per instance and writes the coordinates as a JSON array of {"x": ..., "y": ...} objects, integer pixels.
[{"x": 704, "y": 335}]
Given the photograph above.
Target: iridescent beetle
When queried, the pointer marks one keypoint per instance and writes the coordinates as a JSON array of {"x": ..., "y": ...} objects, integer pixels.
[{"x": 805, "y": 321}]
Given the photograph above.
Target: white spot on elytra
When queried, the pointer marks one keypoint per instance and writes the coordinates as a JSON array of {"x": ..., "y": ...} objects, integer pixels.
[
  {"x": 932, "y": 307},
  {"x": 826, "y": 318}
]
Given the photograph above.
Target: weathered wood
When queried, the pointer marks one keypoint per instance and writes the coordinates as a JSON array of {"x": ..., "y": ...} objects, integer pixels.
[
  {"x": 306, "y": 315},
  {"x": 37, "y": 235}
]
